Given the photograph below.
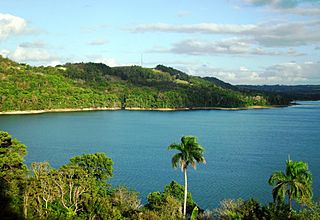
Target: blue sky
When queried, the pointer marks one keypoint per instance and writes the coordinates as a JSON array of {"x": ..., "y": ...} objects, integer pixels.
[{"x": 238, "y": 41}]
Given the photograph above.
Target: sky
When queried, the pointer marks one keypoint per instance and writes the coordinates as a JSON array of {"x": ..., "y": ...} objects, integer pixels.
[{"x": 239, "y": 41}]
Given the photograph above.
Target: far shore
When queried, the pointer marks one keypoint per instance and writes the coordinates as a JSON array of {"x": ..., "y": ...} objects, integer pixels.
[{"x": 131, "y": 109}]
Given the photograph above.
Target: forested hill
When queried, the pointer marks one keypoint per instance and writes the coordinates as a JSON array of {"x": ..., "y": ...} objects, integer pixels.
[
  {"x": 296, "y": 92},
  {"x": 90, "y": 85}
]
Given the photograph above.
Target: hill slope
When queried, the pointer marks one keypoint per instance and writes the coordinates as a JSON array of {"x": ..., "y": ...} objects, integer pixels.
[
  {"x": 296, "y": 92},
  {"x": 90, "y": 85}
]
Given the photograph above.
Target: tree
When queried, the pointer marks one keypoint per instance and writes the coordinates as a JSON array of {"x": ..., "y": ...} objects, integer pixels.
[
  {"x": 239, "y": 209},
  {"x": 164, "y": 205},
  {"x": 156, "y": 200},
  {"x": 190, "y": 152},
  {"x": 296, "y": 182},
  {"x": 126, "y": 201},
  {"x": 40, "y": 192},
  {"x": 177, "y": 191},
  {"x": 12, "y": 175},
  {"x": 97, "y": 165},
  {"x": 73, "y": 183},
  {"x": 70, "y": 192}
]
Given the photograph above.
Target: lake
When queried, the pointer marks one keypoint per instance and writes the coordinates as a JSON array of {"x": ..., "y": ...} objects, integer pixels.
[{"x": 242, "y": 148}]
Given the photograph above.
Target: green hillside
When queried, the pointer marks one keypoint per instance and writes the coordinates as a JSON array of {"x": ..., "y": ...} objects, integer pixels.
[
  {"x": 293, "y": 92},
  {"x": 89, "y": 85}
]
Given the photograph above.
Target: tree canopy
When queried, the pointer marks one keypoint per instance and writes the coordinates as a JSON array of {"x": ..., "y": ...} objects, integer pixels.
[
  {"x": 80, "y": 190},
  {"x": 296, "y": 182},
  {"x": 93, "y": 85},
  {"x": 97, "y": 165}
]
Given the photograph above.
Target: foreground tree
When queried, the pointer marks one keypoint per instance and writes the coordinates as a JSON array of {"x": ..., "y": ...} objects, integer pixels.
[
  {"x": 76, "y": 190},
  {"x": 97, "y": 165},
  {"x": 239, "y": 209},
  {"x": 156, "y": 200},
  {"x": 190, "y": 152},
  {"x": 296, "y": 182},
  {"x": 13, "y": 174},
  {"x": 39, "y": 192}
]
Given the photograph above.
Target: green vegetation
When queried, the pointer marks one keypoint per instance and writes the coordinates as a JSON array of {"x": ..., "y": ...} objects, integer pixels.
[
  {"x": 97, "y": 165},
  {"x": 172, "y": 191},
  {"x": 80, "y": 190},
  {"x": 296, "y": 92},
  {"x": 296, "y": 183},
  {"x": 93, "y": 85},
  {"x": 13, "y": 174},
  {"x": 190, "y": 152}
]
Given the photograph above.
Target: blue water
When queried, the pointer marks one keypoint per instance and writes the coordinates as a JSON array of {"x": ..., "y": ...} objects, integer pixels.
[{"x": 242, "y": 148}]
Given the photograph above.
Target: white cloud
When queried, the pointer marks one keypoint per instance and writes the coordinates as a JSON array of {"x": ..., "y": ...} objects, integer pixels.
[
  {"x": 306, "y": 11},
  {"x": 290, "y": 73},
  {"x": 206, "y": 28},
  {"x": 11, "y": 25},
  {"x": 34, "y": 44},
  {"x": 229, "y": 46},
  {"x": 54, "y": 63},
  {"x": 275, "y": 34},
  {"x": 282, "y": 3},
  {"x": 33, "y": 53},
  {"x": 194, "y": 47},
  {"x": 268, "y": 34},
  {"x": 101, "y": 59},
  {"x": 22, "y": 54},
  {"x": 4, "y": 52},
  {"x": 98, "y": 42},
  {"x": 299, "y": 7},
  {"x": 184, "y": 13},
  {"x": 243, "y": 68},
  {"x": 108, "y": 61}
]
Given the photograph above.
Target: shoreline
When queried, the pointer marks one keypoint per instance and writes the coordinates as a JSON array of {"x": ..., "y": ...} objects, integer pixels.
[{"x": 27, "y": 112}]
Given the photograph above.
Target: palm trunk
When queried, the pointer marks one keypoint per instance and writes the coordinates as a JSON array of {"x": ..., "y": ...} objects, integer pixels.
[
  {"x": 185, "y": 192},
  {"x": 290, "y": 204}
]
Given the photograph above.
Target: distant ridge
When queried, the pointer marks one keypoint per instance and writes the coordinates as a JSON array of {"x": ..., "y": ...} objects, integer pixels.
[
  {"x": 292, "y": 92},
  {"x": 96, "y": 85}
]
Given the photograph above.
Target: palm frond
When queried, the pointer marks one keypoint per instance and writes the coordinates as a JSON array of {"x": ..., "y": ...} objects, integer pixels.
[
  {"x": 175, "y": 160},
  {"x": 279, "y": 192},
  {"x": 194, "y": 164},
  {"x": 174, "y": 147},
  {"x": 191, "y": 152},
  {"x": 296, "y": 181},
  {"x": 276, "y": 177}
]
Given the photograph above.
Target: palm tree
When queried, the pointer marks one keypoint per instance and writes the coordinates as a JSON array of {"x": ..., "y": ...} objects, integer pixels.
[
  {"x": 296, "y": 183},
  {"x": 190, "y": 152}
]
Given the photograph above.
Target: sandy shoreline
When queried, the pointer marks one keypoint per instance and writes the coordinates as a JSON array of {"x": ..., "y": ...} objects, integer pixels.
[
  {"x": 129, "y": 109},
  {"x": 57, "y": 110}
]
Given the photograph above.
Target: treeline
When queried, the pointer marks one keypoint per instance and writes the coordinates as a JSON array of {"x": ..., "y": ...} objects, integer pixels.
[
  {"x": 90, "y": 85},
  {"x": 297, "y": 92},
  {"x": 80, "y": 189},
  {"x": 77, "y": 190}
]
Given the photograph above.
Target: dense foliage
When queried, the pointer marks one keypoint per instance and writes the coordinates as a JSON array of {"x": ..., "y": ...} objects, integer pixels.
[
  {"x": 80, "y": 190},
  {"x": 13, "y": 174},
  {"x": 296, "y": 92},
  {"x": 296, "y": 182},
  {"x": 91, "y": 85}
]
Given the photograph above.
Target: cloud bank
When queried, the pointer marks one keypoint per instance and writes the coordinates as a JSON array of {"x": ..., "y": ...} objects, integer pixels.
[
  {"x": 282, "y": 3},
  {"x": 230, "y": 47},
  {"x": 269, "y": 34},
  {"x": 11, "y": 25},
  {"x": 290, "y": 73},
  {"x": 299, "y": 7}
]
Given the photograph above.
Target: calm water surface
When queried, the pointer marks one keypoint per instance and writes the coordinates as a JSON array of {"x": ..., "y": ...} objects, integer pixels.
[{"x": 242, "y": 147}]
